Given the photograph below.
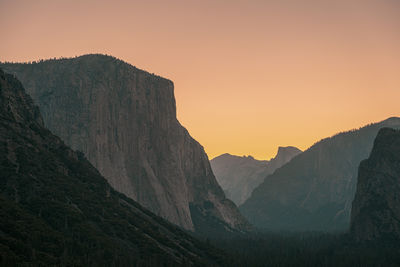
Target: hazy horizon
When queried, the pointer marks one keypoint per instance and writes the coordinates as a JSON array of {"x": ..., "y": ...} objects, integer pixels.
[{"x": 249, "y": 75}]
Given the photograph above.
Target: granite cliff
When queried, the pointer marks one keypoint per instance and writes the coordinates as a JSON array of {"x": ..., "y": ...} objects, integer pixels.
[
  {"x": 314, "y": 191},
  {"x": 375, "y": 214},
  {"x": 124, "y": 120},
  {"x": 238, "y": 176},
  {"x": 57, "y": 210},
  {"x": 283, "y": 156}
]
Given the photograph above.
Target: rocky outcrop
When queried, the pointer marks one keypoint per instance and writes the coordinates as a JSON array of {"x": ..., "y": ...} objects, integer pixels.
[
  {"x": 314, "y": 191},
  {"x": 124, "y": 120},
  {"x": 375, "y": 215},
  {"x": 238, "y": 176},
  {"x": 284, "y": 155},
  {"x": 57, "y": 210}
]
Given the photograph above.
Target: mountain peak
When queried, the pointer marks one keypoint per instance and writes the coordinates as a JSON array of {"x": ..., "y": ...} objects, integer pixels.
[
  {"x": 284, "y": 151},
  {"x": 124, "y": 120},
  {"x": 238, "y": 176},
  {"x": 327, "y": 176},
  {"x": 284, "y": 155},
  {"x": 391, "y": 121},
  {"x": 57, "y": 208},
  {"x": 375, "y": 214},
  {"x": 93, "y": 61}
]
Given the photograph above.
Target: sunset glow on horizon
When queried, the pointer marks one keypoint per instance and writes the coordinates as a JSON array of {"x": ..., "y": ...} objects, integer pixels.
[{"x": 249, "y": 75}]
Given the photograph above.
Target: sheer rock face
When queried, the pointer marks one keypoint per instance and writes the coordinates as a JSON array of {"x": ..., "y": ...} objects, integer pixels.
[
  {"x": 124, "y": 120},
  {"x": 284, "y": 155},
  {"x": 56, "y": 208},
  {"x": 375, "y": 213},
  {"x": 238, "y": 176},
  {"x": 315, "y": 190}
]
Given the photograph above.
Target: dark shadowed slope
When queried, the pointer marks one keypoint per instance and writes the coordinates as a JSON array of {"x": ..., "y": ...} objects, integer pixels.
[
  {"x": 124, "y": 120},
  {"x": 238, "y": 176},
  {"x": 56, "y": 209},
  {"x": 314, "y": 191},
  {"x": 375, "y": 215}
]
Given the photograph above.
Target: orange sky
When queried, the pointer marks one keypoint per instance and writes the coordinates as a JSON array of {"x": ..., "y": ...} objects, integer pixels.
[{"x": 249, "y": 75}]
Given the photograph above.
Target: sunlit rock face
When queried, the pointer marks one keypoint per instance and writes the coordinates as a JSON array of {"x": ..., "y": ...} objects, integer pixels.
[
  {"x": 376, "y": 207},
  {"x": 315, "y": 190},
  {"x": 124, "y": 120},
  {"x": 56, "y": 209}
]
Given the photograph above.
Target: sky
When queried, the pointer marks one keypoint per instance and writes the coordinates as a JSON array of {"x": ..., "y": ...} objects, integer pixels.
[{"x": 249, "y": 75}]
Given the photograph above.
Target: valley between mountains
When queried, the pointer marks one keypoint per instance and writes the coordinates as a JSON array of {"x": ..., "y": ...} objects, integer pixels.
[{"x": 96, "y": 170}]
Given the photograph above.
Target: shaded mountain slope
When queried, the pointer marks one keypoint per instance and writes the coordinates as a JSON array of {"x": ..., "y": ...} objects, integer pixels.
[
  {"x": 238, "y": 176},
  {"x": 375, "y": 215},
  {"x": 124, "y": 120},
  {"x": 314, "y": 191},
  {"x": 56, "y": 209}
]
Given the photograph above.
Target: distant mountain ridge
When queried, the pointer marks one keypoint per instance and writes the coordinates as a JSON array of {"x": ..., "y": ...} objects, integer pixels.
[
  {"x": 57, "y": 210},
  {"x": 314, "y": 191},
  {"x": 124, "y": 120},
  {"x": 283, "y": 156},
  {"x": 238, "y": 176},
  {"x": 375, "y": 214}
]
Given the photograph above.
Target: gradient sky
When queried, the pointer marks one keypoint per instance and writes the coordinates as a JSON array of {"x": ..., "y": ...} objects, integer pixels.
[{"x": 249, "y": 75}]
